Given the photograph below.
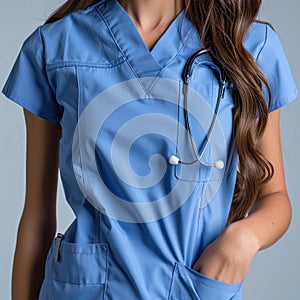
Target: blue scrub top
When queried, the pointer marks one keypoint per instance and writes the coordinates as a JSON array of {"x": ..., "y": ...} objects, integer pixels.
[{"x": 140, "y": 222}]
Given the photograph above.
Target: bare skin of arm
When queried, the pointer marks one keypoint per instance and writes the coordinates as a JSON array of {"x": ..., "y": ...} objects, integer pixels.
[
  {"x": 37, "y": 225},
  {"x": 229, "y": 257}
]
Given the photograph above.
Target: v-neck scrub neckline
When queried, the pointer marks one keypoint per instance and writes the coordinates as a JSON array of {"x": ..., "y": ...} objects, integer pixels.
[{"x": 143, "y": 61}]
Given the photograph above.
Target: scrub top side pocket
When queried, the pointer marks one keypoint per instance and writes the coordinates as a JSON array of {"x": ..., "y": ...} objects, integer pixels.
[
  {"x": 190, "y": 284},
  {"x": 80, "y": 272}
]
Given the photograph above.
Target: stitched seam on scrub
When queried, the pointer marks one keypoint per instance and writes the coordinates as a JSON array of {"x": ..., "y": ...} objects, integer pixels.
[
  {"x": 175, "y": 56},
  {"x": 264, "y": 43},
  {"x": 278, "y": 104},
  {"x": 120, "y": 49},
  {"x": 23, "y": 101},
  {"x": 67, "y": 64},
  {"x": 76, "y": 283},
  {"x": 78, "y": 131}
]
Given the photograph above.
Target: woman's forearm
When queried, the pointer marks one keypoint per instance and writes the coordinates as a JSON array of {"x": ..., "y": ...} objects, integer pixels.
[
  {"x": 229, "y": 257},
  {"x": 269, "y": 219},
  {"x": 37, "y": 226},
  {"x": 29, "y": 260}
]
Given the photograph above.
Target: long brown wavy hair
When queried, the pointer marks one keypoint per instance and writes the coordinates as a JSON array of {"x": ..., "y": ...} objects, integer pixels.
[{"x": 222, "y": 26}]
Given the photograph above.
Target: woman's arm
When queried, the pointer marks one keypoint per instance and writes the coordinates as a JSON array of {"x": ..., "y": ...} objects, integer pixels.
[
  {"x": 228, "y": 258},
  {"x": 271, "y": 214},
  {"x": 37, "y": 225}
]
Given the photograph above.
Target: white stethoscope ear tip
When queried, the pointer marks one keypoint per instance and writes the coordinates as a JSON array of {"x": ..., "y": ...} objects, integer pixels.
[
  {"x": 219, "y": 164},
  {"x": 173, "y": 160}
]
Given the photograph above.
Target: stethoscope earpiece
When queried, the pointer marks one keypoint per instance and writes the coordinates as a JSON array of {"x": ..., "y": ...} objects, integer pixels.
[{"x": 174, "y": 160}]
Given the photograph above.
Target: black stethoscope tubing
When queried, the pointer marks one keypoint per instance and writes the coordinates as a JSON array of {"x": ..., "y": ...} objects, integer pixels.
[{"x": 187, "y": 73}]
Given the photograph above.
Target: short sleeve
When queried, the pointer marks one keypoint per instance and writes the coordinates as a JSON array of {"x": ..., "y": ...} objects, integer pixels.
[
  {"x": 274, "y": 64},
  {"x": 27, "y": 83}
]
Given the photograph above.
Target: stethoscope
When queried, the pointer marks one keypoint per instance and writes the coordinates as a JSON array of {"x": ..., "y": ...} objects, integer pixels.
[{"x": 174, "y": 160}]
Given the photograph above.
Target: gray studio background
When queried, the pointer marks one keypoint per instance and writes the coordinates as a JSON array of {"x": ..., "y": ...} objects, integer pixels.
[{"x": 274, "y": 273}]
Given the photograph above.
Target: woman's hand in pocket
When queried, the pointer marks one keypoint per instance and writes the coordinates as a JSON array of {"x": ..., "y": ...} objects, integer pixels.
[{"x": 228, "y": 258}]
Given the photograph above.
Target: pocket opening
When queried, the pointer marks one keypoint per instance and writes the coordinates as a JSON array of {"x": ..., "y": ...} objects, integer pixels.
[
  {"x": 81, "y": 264},
  {"x": 190, "y": 284}
]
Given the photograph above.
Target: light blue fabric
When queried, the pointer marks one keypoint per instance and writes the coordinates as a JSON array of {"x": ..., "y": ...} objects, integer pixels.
[{"x": 92, "y": 68}]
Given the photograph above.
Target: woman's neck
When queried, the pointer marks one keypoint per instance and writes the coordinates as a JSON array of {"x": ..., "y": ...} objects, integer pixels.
[{"x": 152, "y": 15}]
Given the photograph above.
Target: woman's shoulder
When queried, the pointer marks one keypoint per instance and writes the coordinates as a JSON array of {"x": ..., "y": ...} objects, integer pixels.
[
  {"x": 78, "y": 36},
  {"x": 266, "y": 46},
  {"x": 76, "y": 24},
  {"x": 259, "y": 36}
]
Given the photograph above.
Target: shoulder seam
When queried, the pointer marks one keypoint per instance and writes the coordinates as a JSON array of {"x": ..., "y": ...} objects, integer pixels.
[
  {"x": 264, "y": 43},
  {"x": 43, "y": 50}
]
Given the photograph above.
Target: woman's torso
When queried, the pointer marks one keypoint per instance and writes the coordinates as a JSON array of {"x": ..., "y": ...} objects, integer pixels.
[{"x": 140, "y": 222}]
